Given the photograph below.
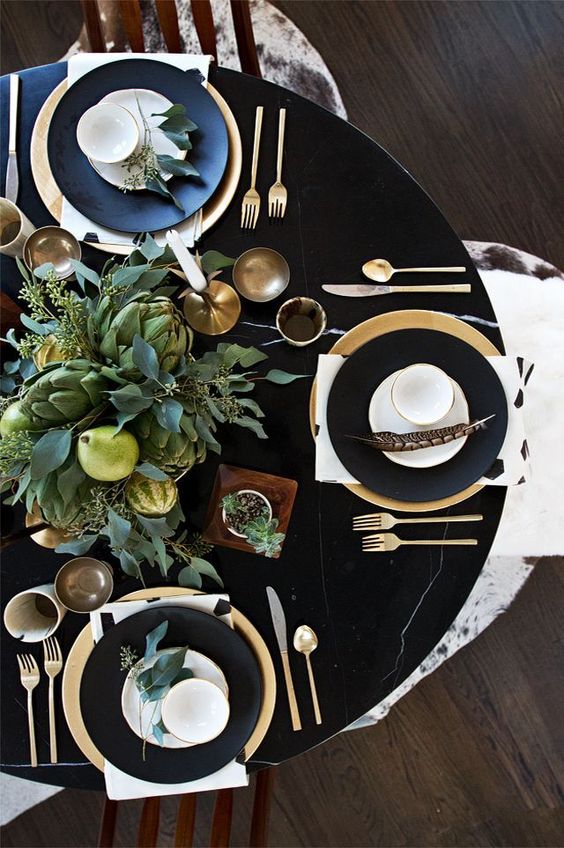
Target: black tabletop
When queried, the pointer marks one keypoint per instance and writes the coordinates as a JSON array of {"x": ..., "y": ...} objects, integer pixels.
[{"x": 377, "y": 617}]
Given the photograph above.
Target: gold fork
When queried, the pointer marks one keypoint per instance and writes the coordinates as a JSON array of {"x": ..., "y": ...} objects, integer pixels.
[
  {"x": 251, "y": 201},
  {"x": 29, "y": 676},
  {"x": 385, "y": 521},
  {"x": 390, "y": 542},
  {"x": 278, "y": 195},
  {"x": 53, "y": 663}
]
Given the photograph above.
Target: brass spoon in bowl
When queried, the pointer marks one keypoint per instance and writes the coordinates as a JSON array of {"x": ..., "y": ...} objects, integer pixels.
[
  {"x": 305, "y": 642},
  {"x": 381, "y": 271}
]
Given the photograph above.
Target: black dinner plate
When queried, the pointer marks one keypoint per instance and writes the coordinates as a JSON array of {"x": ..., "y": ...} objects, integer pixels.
[
  {"x": 102, "y": 684},
  {"x": 137, "y": 211},
  {"x": 362, "y": 373}
]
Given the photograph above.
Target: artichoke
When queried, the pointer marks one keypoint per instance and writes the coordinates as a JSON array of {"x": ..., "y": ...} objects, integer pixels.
[
  {"x": 158, "y": 322},
  {"x": 63, "y": 394},
  {"x": 171, "y": 452}
]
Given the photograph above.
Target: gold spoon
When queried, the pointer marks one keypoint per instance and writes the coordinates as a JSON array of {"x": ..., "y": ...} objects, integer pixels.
[
  {"x": 381, "y": 271},
  {"x": 305, "y": 642}
]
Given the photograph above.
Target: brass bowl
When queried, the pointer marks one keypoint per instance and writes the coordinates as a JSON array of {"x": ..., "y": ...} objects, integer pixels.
[
  {"x": 261, "y": 274},
  {"x": 52, "y": 244},
  {"x": 84, "y": 584}
]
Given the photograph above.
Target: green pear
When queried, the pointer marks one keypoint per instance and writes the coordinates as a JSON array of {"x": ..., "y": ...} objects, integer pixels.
[
  {"x": 105, "y": 454},
  {"x": 14, "y": 420}
]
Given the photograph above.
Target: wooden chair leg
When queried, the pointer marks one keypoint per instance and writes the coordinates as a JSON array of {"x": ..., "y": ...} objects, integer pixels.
[
  {"x": 245, "y": 38},
  {"x": 149, "y": 823},
  {"x": 261, "y": 808},
  {"x": 108, "y": 824},
  {"x": 221, "y": 822},
  {"x": 185, "y": 821}
]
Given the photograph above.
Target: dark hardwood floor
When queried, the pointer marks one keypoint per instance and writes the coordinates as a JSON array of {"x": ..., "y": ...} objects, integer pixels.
[{"x": 469, "y": 97}]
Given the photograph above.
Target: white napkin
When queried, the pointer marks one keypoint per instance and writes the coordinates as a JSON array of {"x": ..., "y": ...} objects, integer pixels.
[
  {"x": 510, "y": 468},
  {"x": 121, "y": 786},
  {"x": 78, "y": 224}
]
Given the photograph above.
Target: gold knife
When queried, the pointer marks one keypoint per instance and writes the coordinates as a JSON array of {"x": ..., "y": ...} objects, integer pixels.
[
  {"x": 12, "y": 179},
  {"x": 279, "y": 622},
  {"x": 370, "y": 289}
]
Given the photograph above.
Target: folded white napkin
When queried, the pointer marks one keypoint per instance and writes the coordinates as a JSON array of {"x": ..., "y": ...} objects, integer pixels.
[
  {"x": 121, "y": 786},
  {"x": 78, "y": 224},
  {"x": 510, "y": 468}
]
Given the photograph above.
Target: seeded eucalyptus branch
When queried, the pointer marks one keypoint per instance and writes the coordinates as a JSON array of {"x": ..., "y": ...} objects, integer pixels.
[{"x": 146, "y": 167}]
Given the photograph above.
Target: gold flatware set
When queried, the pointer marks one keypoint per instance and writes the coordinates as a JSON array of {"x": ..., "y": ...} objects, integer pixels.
[
  {"x": 305, "y": 642},
  {"x": 386, "y": 542},
  {"x": 278, "y": 194},
  {"x": 29, "y": 677}
]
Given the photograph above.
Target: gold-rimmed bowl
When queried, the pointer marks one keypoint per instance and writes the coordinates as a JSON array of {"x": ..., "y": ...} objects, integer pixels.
[
  {"x": 261, "y": 274},
  {"x": 55, "y": 245}
]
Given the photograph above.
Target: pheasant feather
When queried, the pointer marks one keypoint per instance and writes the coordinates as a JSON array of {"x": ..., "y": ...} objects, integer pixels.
[{"x": 394, "y": 442}]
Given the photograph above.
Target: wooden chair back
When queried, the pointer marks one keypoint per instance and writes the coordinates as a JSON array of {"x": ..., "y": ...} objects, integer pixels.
[{"x": 130, "y": 11}]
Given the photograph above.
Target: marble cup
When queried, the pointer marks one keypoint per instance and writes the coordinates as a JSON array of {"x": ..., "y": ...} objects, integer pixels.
[
  {"x": 14, "y": 228},
  {"x": 34, "y": 614}
]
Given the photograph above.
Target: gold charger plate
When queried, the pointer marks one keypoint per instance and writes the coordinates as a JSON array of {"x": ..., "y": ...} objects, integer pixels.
[
  {"x": 83, "y": 646},
  {"x": 406, "y": 319},
  {"x": 51, "y": 196}
]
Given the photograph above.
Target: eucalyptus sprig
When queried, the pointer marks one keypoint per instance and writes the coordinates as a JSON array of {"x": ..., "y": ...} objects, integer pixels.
[
  {"x": 146, "y": 168},
  {"x": 154, "y": 683}
]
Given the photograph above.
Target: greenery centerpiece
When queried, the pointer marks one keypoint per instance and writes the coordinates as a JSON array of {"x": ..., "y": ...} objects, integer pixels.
[{"x": 107, "y": 406}]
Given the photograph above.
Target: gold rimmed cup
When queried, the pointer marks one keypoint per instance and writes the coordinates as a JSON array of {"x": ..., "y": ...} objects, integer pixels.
[
  {"x": 84, "y": 584},
  {"x": 301, "y": 321}
]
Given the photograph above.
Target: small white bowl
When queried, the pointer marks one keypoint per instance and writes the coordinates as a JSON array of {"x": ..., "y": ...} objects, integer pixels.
[
  {"x": 195, "y": 711},
  {"x": 422, "y": 394},
  {"x": 107, "y": 133}
]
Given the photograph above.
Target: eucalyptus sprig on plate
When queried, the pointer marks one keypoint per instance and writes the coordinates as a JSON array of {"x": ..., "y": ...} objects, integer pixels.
[
  {"x": 146, "y": 168},
  {"x": 154, "y": 683}
]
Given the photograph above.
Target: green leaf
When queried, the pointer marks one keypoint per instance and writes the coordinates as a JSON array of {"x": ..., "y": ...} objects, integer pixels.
[
  {"x": 150, "y": 249},
  {"x": 78, "y": 547},
  {"x": 167, "y": 667},
  {"x": 203, "y": 430},
  {"x": 118, "y": 529},
  {"x": 179, "y": 139},
  {"x": 129, "y": 275},
  {"x": 23, "y": 270},
  {"x": 168, "y": 413},
  {"x": 152, "y": 640},
  {"x": 213, "y": 260},
  {"x": 69, "y": 480},
  {"x": 147, "y": 469},
  {"x": 155, "y": 526},
  {"x": 158, "y": 734},
  {"x": 177, "y": 111},
  {"x": 252, "y": 405},
  {"x": 158, "y": 185},
  {"x": 251, "y": 424},
  {"x": 282, "y": 377},
  {"x": 152, "y": 278},
  {"x": 145, "y": 357},
  {"x": 129, "y": 564},
  {"x": 85, "y": 272},
  {"x": 202, "y": 566},
  {"x": 130, "y": 399},
  {"x": 34, "y": 326},
  {"x": 160, "y": 551},
  {"x": 50, "y": 452},
  {"x": 42, "y": 270},
  {"x": 177, "y": 167},
  {"x": 189, "y": 578}
]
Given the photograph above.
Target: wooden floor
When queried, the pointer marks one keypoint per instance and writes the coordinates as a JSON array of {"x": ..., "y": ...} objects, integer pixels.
[{"x": 468, "y": 96}]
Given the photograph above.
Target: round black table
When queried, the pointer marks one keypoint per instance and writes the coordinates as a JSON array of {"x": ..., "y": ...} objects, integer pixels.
[{"x": 377, "y": 617}]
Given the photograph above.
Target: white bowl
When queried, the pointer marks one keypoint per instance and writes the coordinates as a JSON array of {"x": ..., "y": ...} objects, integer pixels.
[
  {"x": 195, "y": 711},
  {"x": 422, "y": 394},
  {"x": 107, "y": 133}
]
